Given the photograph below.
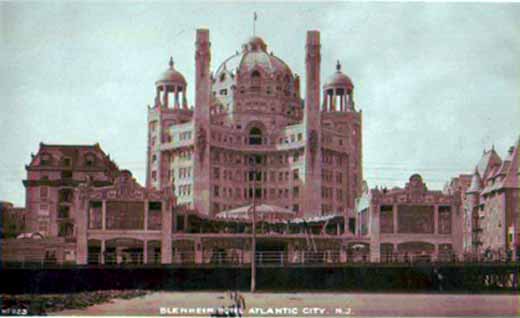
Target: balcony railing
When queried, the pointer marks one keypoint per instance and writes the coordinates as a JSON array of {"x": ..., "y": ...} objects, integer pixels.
[{"x": 263, "y": 259}]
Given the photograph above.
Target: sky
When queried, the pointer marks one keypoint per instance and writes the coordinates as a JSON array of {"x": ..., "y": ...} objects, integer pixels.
[{"x": 437, "y": 82}]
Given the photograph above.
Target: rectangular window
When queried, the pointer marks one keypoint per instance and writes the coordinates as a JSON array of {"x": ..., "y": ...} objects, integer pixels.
[
  {"x": 386, "y": 219},
  {"x": 95, "y": 215},
  {"x": 296, "y": 174},
  {"x": 216, "y": 191},
  {"x": 444, "y": 220},
  {"x": 66, "y": 174},
  {"x": 44, "y": 192},
  {"x": 154, "y": 215},
  {"x": 63, "y": 212},
  {"x": 123, "y": 215},
  {"x": 296, "y": 191}
]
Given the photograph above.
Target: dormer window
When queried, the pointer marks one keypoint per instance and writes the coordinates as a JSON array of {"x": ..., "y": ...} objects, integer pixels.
[
  {"x": 89, "y": 160},
  {"x": 45, "y": 160}
]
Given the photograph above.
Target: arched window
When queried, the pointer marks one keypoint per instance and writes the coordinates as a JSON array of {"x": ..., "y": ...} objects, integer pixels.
[
  {"x": 255, "y": 136},
  {"x": 255, "y": 74}
]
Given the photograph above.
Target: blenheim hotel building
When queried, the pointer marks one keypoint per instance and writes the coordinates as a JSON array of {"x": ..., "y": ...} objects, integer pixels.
[{"x": 250, "y": 146}]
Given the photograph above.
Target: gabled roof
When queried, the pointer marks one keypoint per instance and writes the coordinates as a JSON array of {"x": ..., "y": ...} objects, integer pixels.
[
  {"x": 506, "y": 175},
  {"x": 489, "y": 159}
]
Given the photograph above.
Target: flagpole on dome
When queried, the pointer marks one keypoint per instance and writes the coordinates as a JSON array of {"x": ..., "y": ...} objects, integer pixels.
[{"x": 255, "y": 17}]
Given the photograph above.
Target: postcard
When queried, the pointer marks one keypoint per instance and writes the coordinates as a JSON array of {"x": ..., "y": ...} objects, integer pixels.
[{"x": 260, "y": 159}]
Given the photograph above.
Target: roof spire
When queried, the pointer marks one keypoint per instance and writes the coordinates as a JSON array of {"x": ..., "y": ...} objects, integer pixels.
[
  {"x": 338, "y": 66},
  {"x": 171, "y": 62}
]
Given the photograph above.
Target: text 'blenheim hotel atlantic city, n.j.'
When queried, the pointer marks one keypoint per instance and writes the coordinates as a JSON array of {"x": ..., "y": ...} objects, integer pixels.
[{"x": 251, "y": 143}]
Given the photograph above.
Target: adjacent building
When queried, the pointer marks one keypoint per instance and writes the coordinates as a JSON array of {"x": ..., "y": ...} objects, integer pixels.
[
  {"x": 492, "y": 206},
  {"x": 411, "y": 223}
]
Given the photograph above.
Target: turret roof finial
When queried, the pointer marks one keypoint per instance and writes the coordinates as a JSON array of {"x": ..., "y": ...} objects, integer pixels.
[
  {"x": 338, "y": 66},
  {"x": 171, "y": 62}
]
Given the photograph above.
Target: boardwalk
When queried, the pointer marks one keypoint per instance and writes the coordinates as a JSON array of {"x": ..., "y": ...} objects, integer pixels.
[{"x": 316, "y": 304}]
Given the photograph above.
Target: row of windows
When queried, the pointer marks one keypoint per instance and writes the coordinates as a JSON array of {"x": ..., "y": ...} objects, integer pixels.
[
  {"x": 327, "y": 193},
  {"x": 185, "y": 135},
  {"x": 274, "y": 176},
  {"x": 184, "y": 173},
  {"x": 184, "y": 190},
  {"x": 260, "y": 193},
  {"x": 256, "y": 88},
  {"x": 46, "y": 159},
  {"x": 64, "y": 195},
  {"x": 232, "y": 158},
  {"x": 222, "y": 138},
  {"x": 333, "y": 158},
  {"x": 328, "y": 176}
]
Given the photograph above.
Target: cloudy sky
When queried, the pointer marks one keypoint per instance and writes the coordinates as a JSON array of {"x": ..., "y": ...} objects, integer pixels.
[{"x": 437, "y": 82}]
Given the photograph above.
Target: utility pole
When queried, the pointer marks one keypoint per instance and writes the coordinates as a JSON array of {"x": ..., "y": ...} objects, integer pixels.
[{"x": 253, "y": 226}]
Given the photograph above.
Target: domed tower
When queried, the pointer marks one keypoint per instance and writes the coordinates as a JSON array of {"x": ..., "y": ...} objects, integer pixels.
[
  {"x": 170, "y": 108},
  {"x": 342, "y": 135},
  {"x": 338, "y": 92},
  {"x": 169, "y": 88},
  {"x": 255, "y": 84}
]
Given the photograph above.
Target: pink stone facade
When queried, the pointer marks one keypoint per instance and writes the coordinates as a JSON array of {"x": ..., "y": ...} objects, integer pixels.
[
  {"x": 307, "y": 153},
  {"x": 52, "y": 175},
  {"x": 411, "y": 223},
  {"x": 250, "y": 136}
]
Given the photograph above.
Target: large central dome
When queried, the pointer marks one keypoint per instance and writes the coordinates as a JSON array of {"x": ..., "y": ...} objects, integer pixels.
[{"x": 254, "y": 55}]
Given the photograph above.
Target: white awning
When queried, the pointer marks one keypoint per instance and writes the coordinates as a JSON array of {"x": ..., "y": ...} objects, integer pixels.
[
  {"x": 320, "y": 218},
  {"x": 30, "y": 235},
  {"x": 261, "y": 210}
]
